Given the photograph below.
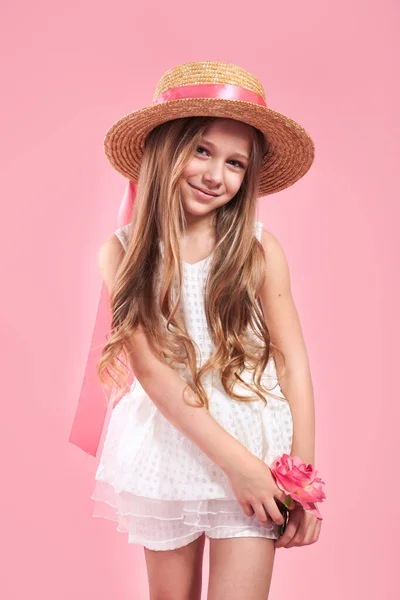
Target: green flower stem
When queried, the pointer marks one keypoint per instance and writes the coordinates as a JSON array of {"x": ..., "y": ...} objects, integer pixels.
[
  {"x": 285, "y": 512},
  {"x": 288, "y": 501}
]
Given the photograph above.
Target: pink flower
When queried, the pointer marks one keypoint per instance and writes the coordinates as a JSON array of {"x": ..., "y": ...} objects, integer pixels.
[{"x": 299, "y": 481}]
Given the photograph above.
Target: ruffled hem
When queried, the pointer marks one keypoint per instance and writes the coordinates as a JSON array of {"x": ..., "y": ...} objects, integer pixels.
[{"x": 167, "y": 524}]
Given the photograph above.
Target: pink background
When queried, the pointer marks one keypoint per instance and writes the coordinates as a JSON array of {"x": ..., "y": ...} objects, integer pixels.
[{"x": 69, "y": 71}]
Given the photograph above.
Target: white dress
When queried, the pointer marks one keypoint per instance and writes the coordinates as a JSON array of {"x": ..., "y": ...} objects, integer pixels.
[{"x": 155, "y": 482}]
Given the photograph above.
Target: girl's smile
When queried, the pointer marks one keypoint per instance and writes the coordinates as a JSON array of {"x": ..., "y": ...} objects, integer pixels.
[{"x": 203, "y": 195}]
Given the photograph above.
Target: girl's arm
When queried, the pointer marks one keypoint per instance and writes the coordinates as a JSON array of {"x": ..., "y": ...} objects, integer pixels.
[
  {"x": 164, "y": 386},
  {"x": 284, "y": 326}
]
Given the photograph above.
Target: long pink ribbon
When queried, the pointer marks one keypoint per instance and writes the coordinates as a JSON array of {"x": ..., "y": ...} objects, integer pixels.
[{"x": 91, "y": 410}]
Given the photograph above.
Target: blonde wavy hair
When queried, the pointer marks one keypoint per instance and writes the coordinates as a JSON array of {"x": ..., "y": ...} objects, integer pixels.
[{"x": 234, "y": 314}]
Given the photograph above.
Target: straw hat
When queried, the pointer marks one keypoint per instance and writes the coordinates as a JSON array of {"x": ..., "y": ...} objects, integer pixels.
[{"x": 215, "y": 89}]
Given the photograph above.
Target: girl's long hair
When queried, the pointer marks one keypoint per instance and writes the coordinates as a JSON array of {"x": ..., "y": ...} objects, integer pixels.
[{"x": 235, "y": 318}]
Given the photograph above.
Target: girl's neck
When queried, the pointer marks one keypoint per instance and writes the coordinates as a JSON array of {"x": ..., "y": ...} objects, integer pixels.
[{"x": 200, "y": 226}]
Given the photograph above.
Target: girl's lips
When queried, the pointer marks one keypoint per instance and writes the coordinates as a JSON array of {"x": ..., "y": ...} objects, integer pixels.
[{"x": 202, "y": 195}]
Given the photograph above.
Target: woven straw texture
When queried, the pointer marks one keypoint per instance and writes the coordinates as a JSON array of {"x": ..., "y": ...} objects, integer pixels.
[{"x": 291, "y": 150}]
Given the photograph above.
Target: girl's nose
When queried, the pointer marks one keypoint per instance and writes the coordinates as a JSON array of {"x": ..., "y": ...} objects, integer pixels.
[{"x": 213, "y": 174}]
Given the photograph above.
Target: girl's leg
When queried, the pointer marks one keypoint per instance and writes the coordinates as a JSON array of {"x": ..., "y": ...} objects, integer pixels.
[
  {"x": 240, "y": 568},
  {"x": 176, "y": 574}
]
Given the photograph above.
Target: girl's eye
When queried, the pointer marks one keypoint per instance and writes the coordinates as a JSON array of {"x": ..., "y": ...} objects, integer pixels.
[
  {"x": 200, "y": 148},
  {"x": 238, "y": 163}
]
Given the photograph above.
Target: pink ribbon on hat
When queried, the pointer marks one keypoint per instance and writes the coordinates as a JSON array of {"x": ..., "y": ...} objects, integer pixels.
[
  {"x": 91, "y": 410},
  {"x": 226, "y": 91}
]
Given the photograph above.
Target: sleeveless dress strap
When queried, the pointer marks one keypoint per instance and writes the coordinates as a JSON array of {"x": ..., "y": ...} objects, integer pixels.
[
  {"x": 258, "y": 227},
  {"x": 123, "y": 235}
]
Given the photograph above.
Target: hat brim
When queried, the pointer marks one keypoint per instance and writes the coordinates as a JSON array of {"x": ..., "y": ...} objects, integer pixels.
[{"x": 291, "y": 150}]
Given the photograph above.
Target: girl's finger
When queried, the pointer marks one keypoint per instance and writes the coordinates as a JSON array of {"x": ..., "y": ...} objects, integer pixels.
[
  {"x": 274, "y": 512},
  {"x": 248, "y": 510},
  {"x": 317, "y": 532},
  {"x": 298, "y": 539},
  {"x": 288, "y": 534},
  {"x": 310, "y": 533},
  {"x": 261, "y": 515}
]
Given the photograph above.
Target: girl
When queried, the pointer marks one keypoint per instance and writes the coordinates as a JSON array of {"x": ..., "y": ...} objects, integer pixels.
[{"x": 203, "y": 315}]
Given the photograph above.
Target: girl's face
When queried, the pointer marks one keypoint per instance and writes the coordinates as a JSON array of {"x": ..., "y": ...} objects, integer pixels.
[{"x": 217, "y": 166}]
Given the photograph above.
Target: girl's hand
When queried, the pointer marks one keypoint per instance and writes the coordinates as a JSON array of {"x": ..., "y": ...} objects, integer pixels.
[
  {"x": 302, "y": 529},
  {"x": 255, "y": 489}
]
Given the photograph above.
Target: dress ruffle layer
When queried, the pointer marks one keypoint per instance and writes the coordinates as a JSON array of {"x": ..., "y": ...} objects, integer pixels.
[
  {"x": 164, "y": 524},
  {"x": 162, "y": 489}
]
